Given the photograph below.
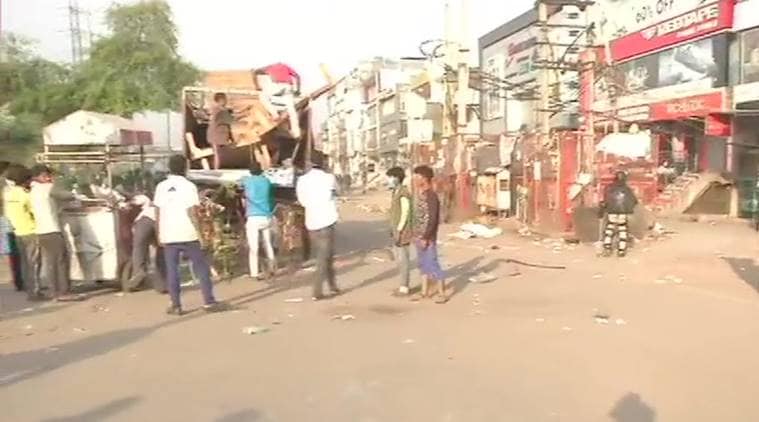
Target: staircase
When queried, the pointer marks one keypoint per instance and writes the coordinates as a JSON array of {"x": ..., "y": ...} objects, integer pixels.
[{"x": 680, "y": 195}]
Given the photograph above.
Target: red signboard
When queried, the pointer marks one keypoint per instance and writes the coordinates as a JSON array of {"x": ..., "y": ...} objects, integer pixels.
[
  {"x": 699, "y": 105},
  {"x": 718, "y": 125},
  {"x": 707, "y": 19}
]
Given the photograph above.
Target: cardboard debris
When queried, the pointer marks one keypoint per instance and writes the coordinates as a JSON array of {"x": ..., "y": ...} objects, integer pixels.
[
  {"x": 346, "y": 317},
  {"x": 253, "y": 330},
  {"x": 482, "y": 231},
  {"x": 483, "y": 278}
]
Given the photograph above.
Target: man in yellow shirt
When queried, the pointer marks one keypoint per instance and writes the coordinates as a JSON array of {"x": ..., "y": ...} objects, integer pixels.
[{"x": 17, "y": 208}]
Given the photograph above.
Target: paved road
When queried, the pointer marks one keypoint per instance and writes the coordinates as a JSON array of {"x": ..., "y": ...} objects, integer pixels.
[{"x": 523, "y": 348}]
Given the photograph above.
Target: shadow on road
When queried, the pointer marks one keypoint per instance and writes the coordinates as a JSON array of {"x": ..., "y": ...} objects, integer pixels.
[
  {"x": 631, "y": 408},
  {"x": 246, "y": 415},
  {"x": 746, "y": 269},
  {"x": 100, "y": 413},
  {"x": 21, "y": 366}
]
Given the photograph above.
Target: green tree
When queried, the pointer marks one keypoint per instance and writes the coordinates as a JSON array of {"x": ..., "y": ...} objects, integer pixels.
[{"x": 138, "y": 66}]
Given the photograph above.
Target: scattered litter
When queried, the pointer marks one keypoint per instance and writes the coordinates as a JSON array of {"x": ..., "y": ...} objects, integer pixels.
[
  {"x": 524, "y": 231},
  {"x": 290, "y": 316},
  {"x": 52, "y": 349},
  {"x": 540, "y": 320},
  {"x": 80, "y": 330},
  {"x": 309, "y": 269},
  {"x": 480, "y": 230},
  {"x": 620, "y": 321},
  {"x": 743, "y": 269},
  {"x": 294, "y": 300},
  {"x": 378, "y": 259},
  {"x": 483, "y": 278},
  {"x": 28, "y": 327},
  {"x": 602, "y": 320},
  {"x": 409, "y": 341},
  {"x": 276, "y": 322},
  {"x": 597, "y": 276},
  {"x": 670, "y": 279},
  {"x": 346, "y": 317},
  {"x": 476, "y": 313},
  {"x": 253, "y": 330},
  {"x": 27, "y": 310},
  {"x": 495, "y": 248},
  {"x": 100, "y": 308},
  {"x": 566, "y": 328},
  {"x": 119, "y": 294},
  {"x": 462, "y": 235}
]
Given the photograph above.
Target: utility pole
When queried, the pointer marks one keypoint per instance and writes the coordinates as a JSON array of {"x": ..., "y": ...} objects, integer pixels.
[
  {"x": 75, "y": 31},
  {"x": 544, "y": 124}
]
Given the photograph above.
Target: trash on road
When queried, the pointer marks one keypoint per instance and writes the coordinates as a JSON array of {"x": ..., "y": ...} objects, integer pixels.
[
  {"x": 540, "y": 320},
  {"x": 119, "y": 294},
  {"x": 409, "y": 341},
  {"x": 28, "y": 327},
  {"x": 669, "y": 279},
  {"x": 598, "y": 276},
  {"x": 294, "y": 300},
  {"x": 80, "y": 330},
  {"x": 481, "y": 230},
  {"x": 345, "y": 317},
  {"x": 378, "y": 259},
  {"x": 462, "y": 235},
  {"x": 483, "y": 278},
  {"x": 52, "y": 350},
  {"x": 620, "y": 321},
  {"x": 601, "y": 319},
  {"x": 27, "y": 310},
  {"x": 253, "y": 330},
  {"x": 100, "y": 308}
]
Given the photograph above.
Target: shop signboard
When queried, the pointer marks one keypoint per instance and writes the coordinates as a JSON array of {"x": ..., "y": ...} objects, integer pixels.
[
  {"x": 749, "y": 56},
  {"x": 619, "y": 18},
  {"x": 694, "y": 23},
  {"x": 746, "y": 15},
  {"x": 696, "y": 65},
  {"x": 699, "y": 105}
]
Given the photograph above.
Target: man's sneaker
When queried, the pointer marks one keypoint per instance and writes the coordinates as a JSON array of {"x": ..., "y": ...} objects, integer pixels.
[
  {"x": 174, "y": 310},
  {"x": 216, "y": 307}
]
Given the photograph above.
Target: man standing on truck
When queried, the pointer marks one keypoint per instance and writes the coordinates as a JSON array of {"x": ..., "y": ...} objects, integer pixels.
[
  {"x": 280, "y": 84},
  {"x": 177, "y": 201},
  {"x": 618, "y": 205},
  {"x": 259, "y": 206},
  {"x": 317, "y": 193},
  {"x": 219, "y": 127}
]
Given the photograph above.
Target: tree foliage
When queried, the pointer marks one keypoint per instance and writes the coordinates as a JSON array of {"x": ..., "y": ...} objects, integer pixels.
[
  {"x": 138, "y": 67},
  {"x": 135, "y": 67}
]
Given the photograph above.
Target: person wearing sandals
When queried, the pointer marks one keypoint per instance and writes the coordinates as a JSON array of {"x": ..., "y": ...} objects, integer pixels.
[
  {"x": 400, "y": 226},
  {"x": 426, "y": 223}
]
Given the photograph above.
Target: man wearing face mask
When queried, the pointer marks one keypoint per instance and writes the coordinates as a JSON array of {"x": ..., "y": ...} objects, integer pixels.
[{"x": 400, "y": 225}]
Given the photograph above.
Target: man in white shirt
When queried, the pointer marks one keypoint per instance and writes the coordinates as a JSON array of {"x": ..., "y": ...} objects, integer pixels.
[
  {"x": 176, "y": 199},
  {"x": 317, "y": 192},
  {"x": 45, "y": 199}
]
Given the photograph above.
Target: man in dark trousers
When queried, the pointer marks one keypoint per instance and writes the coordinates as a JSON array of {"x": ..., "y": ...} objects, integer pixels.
[
  {"x": 426, "y": 224},
  {"x": 177, "y": 201},
  {"x": 317, "y": 193},
  {"x": 618, "y": 205}
]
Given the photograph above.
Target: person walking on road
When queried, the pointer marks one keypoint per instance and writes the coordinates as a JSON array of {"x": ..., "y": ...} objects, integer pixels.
[
  {"x": 17, "y": 208},
  {"x": 426, "y": 225},
  {"x": 317, "y": 193},
  {"x": 177, "y": 199},
  {"x": 618, "y": 205},
  {"x": 259, "y": 208},
  {"x": 46, "y": 200},
  {"x": 400, "y": 225}
]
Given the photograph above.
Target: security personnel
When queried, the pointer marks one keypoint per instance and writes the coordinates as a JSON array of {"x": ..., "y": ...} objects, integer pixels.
[{"x": 618, "y": 204}]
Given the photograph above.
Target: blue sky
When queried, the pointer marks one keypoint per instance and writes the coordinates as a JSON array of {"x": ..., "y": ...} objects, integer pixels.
[{"x": 240, "y": 34}]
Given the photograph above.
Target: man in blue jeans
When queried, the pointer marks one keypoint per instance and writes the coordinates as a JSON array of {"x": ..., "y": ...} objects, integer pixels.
[{"x": 177, "y": 200}]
